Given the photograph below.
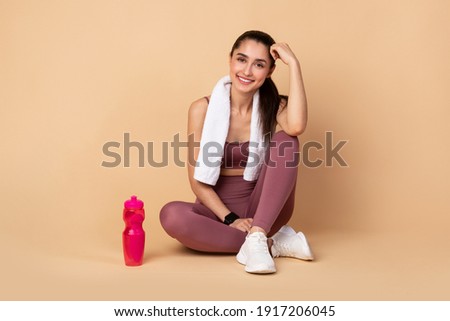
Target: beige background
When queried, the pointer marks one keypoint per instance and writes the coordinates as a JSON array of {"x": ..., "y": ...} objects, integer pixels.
[{"x": 77, "y": 74}]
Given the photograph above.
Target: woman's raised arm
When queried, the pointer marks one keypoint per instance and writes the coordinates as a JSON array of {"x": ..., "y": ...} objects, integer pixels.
[{"x": 292, "y": 117}]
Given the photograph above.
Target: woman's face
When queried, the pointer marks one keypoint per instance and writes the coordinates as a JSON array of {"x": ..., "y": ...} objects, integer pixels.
[{"x": 250, "y": 65}]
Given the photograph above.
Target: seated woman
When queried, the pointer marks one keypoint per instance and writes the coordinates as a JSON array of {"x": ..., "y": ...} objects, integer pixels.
[{"x": 245, "y": 171}]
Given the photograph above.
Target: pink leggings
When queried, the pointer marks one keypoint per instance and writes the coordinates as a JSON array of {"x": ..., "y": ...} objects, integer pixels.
[{"x": 269, "y": 201}]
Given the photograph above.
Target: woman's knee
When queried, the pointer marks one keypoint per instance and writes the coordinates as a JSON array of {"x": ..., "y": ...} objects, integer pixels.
[
  {"x": 169, "y": 215},
  {"x": 284, "y": 140},
  {"x": 285, "y": 149}
]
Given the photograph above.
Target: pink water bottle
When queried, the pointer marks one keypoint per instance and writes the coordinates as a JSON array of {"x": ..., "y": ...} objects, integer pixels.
[{"x": 134, "y": 235}]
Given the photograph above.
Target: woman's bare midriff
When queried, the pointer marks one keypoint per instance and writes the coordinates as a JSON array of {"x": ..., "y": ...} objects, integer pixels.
[{"x": 232, "y": 171}]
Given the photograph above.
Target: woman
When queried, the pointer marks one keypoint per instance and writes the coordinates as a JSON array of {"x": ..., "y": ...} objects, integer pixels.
[{"x": 245, "y": 187}]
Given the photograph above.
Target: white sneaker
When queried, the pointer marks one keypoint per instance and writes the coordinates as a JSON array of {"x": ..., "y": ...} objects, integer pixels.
[
  {"x": 254, "y": 254},
  {"x": 286, "y": 242}
]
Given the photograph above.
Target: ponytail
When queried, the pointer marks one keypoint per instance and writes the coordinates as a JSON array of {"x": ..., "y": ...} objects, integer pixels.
[{"x": 269, "y": 102}]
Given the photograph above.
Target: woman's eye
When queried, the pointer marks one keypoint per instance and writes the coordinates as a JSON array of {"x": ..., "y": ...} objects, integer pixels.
[
  {"x": 241, "y": 59},
  {"x": 260, "y": 65}
]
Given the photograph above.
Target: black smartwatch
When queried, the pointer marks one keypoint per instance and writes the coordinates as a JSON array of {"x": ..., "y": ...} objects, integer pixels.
[{"x": 230, "y": 218}]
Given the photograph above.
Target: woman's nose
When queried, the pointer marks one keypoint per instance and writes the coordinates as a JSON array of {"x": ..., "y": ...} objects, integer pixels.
[{"x": 248, "y": 70}]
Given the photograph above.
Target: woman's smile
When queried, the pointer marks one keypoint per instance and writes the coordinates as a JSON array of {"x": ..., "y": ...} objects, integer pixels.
[{"x": 244, "y": 80}]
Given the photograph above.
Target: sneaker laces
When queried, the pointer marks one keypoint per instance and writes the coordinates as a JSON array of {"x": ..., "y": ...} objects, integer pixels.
[{"x": 258, "y": 243}]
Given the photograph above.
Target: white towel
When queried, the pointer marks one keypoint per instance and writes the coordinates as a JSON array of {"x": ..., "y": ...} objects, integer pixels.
[{"x": 214, "y": 134}]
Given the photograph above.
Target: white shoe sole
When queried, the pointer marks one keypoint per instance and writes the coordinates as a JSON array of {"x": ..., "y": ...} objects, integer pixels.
[{"x": 260, "y": 270}]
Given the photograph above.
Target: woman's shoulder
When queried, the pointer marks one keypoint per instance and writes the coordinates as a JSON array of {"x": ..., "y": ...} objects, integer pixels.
[{"x": 198, "y": 107}]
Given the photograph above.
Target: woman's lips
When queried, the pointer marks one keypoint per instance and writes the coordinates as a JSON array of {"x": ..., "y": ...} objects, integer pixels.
[{"x": 244, "y": 81}]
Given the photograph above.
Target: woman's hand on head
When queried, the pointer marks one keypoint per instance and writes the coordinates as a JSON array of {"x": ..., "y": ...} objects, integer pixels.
[
  {"x": 282, "y": 51},
  {"x": 242, "y": 224}
]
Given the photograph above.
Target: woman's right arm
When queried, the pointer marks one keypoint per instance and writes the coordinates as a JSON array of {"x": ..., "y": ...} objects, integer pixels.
[{"x": 204, "y": 192}]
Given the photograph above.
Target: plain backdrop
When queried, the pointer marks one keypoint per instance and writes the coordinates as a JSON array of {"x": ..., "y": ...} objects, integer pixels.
[{"x": 75, "y": 75}]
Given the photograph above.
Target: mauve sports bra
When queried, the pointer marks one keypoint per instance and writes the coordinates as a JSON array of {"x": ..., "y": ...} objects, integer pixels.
[{"x": 235, "y": 155}]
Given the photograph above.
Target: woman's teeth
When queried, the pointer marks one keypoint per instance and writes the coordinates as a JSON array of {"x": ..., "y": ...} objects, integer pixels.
[{"x": 245, "y": 80}]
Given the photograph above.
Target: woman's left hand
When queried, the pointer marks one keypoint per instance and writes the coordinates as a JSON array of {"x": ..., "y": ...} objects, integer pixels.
[
  {"x": 243, "y": 224},
  {"x": 282, "y": 51}
]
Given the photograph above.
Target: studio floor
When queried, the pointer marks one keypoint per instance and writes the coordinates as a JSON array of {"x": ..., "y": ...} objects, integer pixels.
[{"x": 349, "y": 265}]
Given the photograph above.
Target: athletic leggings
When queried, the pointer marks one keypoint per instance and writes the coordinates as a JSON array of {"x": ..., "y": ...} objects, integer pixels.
[{"x": 269, "y": 201}]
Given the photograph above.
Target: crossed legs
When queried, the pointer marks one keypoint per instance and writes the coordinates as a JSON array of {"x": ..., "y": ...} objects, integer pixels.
[{"x": 270, "y": 203}]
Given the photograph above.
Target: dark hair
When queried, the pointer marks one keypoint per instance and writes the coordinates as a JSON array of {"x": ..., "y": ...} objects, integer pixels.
[{"x": 269, "y": 98}]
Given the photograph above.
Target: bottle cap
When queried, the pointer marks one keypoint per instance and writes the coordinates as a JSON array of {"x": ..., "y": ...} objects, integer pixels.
[{"x": 134, "y": 203}]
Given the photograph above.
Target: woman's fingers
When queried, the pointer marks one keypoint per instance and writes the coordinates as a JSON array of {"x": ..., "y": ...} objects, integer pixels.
[
  {"x": 242, "y": 224},
  {"x": 247, "y": 224},
  {"x": 282, "y": 51},
  {"x": 274, "y": 53}
]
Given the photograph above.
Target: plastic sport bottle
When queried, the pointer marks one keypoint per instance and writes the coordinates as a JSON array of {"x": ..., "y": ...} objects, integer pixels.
[{"x": 133, "y": 236}]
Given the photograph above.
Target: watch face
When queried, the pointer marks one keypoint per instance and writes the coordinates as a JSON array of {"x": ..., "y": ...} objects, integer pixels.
[{"x": 230, "y": 218}]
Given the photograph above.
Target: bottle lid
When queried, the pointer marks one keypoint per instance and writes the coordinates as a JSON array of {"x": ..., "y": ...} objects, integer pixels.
[{"x": 134, "y": 203}]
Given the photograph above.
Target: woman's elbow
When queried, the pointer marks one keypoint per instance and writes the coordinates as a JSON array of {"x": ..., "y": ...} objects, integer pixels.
[
  {"x": 295, "y": 130},
  {"x": 196, "y": 186}
]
